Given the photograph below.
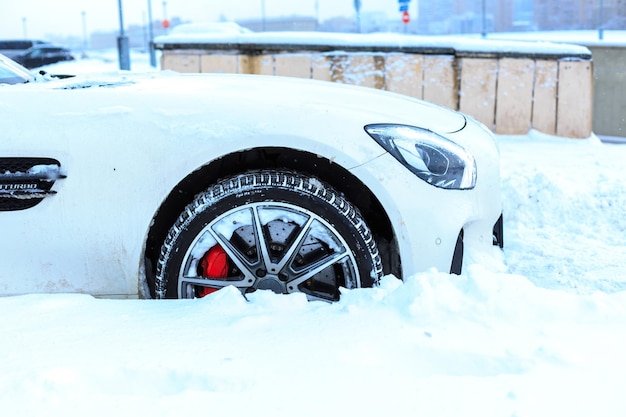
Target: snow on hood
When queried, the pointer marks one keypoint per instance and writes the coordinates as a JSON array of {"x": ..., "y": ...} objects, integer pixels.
[{"x": 258, "y": 89}]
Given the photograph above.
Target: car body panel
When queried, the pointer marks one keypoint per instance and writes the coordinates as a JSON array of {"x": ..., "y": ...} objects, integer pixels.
[
  {"x": 125, "y": 142},
  {"x": 426, "y": 219}
]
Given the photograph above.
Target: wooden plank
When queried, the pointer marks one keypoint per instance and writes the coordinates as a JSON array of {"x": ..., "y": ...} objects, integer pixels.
[
  {"x": 293, "y": 65},
  {"x": 256, "y": 64},
  {"x": 338, "y": 65},
  {"x": 478, "y": 89},
  {"x": 366, "y": 70},
  {"x": 440, "y": 81},
  {"x": 404, "y": 74},
  {"x": 514, "y": 96},
  {"x": 321, "y": 67},
  {"x": 219, "y": 63},
  {"x": 575, "y": 99},
  {"x": 180, "y": 62},
  {"x": 544, "y": 97}
]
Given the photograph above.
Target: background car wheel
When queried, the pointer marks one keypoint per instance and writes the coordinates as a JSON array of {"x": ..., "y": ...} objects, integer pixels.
[{"x": 273, "y": 230}]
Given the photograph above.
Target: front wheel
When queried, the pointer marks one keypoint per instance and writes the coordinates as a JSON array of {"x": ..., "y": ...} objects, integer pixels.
[{"x": 272, "y": 230}]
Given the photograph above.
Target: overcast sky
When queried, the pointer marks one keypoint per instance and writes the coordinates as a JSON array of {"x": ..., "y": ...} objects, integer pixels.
[{"x": 38, "y": 18}]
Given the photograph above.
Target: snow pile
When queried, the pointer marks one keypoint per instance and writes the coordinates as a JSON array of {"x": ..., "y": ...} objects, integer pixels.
[
  {"x": 482, "y": 344},
  {"x": 564, "y": 204}
]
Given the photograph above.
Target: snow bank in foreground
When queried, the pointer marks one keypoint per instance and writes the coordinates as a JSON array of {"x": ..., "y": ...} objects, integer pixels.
[{"x": 482, "y": 344}]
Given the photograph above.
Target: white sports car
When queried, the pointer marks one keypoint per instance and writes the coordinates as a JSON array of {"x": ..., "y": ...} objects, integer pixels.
[{"x": 174, "y": 186}]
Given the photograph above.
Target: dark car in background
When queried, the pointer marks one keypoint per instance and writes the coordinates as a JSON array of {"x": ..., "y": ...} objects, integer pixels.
[
  {"x": 13, "y": 47},
  {"x": 41, "y": 55}
]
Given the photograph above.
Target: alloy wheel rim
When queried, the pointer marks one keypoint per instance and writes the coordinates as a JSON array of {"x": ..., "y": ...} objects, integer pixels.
[{"x": 273, "y": 246}]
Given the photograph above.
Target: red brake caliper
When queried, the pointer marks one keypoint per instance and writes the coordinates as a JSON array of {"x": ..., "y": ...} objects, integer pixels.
[{"x": 214, "y": 264}]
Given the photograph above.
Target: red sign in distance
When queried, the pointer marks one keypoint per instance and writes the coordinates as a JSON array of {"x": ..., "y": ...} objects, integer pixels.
[
  {"x": 406, "y": 18},
  {"x": 165, "y": 23}
]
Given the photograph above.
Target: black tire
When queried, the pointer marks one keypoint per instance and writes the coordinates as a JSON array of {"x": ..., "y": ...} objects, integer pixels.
[{"x": 277, "y": 230}]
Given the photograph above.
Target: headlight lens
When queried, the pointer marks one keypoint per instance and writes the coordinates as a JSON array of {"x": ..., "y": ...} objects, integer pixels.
[{"x": 433, "y": 158}]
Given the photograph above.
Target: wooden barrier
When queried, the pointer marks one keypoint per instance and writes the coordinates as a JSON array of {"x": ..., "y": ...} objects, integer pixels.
[
  {"x": 574, "y": 97},
  {"x": 441, "y": 81},
  {"x": 510, "y": 93},
  {"x": 479, "y": 78},
  {"x": 515, "y": 95},
  {"x": 544, "y": 96}
]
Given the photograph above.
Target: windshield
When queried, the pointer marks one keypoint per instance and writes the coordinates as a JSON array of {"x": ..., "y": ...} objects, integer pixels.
[{"x": 13, "y": 73}]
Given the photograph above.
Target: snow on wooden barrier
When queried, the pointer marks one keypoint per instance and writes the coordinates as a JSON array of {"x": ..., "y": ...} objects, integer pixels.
[{"x": 511, "y": 87}]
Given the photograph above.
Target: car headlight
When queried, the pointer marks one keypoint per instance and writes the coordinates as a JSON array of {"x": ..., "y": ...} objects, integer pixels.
[{"x": 433, "y": 158}]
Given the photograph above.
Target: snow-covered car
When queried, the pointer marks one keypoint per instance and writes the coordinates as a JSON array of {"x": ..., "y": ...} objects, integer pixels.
[{"x": 163, "y": 185}]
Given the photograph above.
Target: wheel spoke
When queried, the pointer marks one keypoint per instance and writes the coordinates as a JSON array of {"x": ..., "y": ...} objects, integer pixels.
[
  {"x": 217, "y": 283},
  {"x": 292, "y": 286},
  {"x": 261, "y": 242},
  {"x": 293, "y": 250},
  {"x": 313, "y": 297},
  {"x": 187, "y": 285}
]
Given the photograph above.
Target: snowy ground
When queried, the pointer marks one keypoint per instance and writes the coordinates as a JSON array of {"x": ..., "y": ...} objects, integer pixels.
[{"x": 538, "y": 330}]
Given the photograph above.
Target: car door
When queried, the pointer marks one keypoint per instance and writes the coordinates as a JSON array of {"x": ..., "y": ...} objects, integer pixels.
[
  {"x": 50, "y": 56},
  {"x": 31, "y": 58}
]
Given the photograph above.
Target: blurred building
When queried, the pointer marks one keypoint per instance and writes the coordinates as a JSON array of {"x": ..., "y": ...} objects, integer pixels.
[
  {"x": 580, "y": 14},
  {"x": 138, "y": 35},
  {"x": 467, "y": 16},
  {"x": 281, "y": 24},
  {"x": 433, "y": 17}
]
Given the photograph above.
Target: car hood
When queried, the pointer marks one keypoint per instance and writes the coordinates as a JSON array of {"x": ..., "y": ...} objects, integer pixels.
[{"x": 390, "y": 107}]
